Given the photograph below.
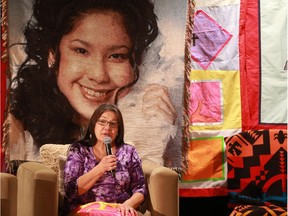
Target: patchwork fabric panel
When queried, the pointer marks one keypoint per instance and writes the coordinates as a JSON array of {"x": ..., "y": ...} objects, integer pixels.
[{"x": 257, "y": 167}]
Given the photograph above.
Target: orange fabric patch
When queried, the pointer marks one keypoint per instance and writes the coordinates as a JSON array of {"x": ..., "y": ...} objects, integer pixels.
[{"x": 206, "y": 159}]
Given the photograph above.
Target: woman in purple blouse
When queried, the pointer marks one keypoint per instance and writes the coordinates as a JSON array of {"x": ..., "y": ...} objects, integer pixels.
[{"x": 91, "y": 174}]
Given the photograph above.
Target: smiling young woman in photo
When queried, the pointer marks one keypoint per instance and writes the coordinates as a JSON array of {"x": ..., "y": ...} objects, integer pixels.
[
  {"x": 79, "y": 54},
  {"x": 94, "y": 62}
]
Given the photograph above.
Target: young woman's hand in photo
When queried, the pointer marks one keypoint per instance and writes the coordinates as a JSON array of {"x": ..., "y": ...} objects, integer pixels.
[{"x": 157, "y": 103}]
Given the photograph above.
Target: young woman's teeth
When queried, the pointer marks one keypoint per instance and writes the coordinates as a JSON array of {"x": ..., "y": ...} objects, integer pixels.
[{"x": 93, "y": 93}]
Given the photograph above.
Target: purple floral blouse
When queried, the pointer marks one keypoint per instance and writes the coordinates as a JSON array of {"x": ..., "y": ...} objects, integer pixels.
[{"x": 129, "y": 177}]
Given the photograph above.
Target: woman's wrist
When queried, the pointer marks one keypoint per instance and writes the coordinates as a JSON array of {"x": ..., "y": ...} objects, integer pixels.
[{"x": 99, "y": 170}]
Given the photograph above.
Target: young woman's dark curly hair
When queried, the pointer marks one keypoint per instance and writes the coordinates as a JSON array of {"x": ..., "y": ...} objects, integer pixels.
[{"x": 35, "y": 98}]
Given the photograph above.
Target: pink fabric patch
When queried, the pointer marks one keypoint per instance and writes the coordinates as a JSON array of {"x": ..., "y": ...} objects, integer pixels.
[
  {"x": 205, "y": 102},
  {"x": 98, "y": 209},
  {"x": 208, "y": 38}
]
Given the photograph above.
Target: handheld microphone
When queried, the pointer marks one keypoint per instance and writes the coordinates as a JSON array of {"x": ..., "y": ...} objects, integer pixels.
[{"x": 107, "y": 141}]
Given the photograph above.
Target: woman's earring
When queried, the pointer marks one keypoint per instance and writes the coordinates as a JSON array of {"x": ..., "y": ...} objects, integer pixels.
[{"x": 51, "y": 64}]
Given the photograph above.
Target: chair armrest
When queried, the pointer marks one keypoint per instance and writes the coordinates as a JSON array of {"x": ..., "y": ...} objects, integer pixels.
[
  {"x": 163, "y": 193},
  {"x": 37, "y": 190},
  {"x": 8, "y": 194}
]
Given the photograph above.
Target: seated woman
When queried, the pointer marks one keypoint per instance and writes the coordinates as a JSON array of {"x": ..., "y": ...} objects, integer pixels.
[{"x": 102, "y": 167}]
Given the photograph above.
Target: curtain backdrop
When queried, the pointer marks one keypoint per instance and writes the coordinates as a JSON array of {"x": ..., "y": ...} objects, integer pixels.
[
  {"x": 225, "y": 66},
  {"x": 156, "y": 138},
  {"x": 4, "y": 63}
]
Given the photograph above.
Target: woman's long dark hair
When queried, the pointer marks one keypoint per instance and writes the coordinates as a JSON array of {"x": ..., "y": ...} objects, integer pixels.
[{"x": 35, "y": 98}]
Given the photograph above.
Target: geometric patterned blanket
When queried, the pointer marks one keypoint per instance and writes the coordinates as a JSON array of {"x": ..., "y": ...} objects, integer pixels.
[{"x": 257, "y": 167}]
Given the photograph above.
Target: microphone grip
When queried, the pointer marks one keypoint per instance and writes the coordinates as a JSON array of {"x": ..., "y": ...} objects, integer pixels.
[
  {"x": 109, "y": 152},
  {"x": 108, "y": 149}
]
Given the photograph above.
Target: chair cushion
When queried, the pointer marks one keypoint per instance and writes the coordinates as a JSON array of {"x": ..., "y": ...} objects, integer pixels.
[
  {"x": 54, "y": 157},
  {"x": 49, "y": 154},
  {"x": 61, "y": 160}
]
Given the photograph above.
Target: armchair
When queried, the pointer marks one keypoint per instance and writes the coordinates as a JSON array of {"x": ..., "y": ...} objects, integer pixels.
[
  {"x": 40, "y": 189},
  {"x": 8, "y": 194}
]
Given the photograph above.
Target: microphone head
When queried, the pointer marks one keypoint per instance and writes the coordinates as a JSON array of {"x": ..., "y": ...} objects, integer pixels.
[{"x": 107, "y": 140}]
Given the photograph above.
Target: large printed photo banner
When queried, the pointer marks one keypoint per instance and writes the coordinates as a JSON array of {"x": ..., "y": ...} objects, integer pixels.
[{"x": 152, "y": 107}]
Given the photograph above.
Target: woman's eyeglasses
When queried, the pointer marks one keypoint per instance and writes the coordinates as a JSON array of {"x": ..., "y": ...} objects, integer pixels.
[{"x": 112, "y": 124}]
